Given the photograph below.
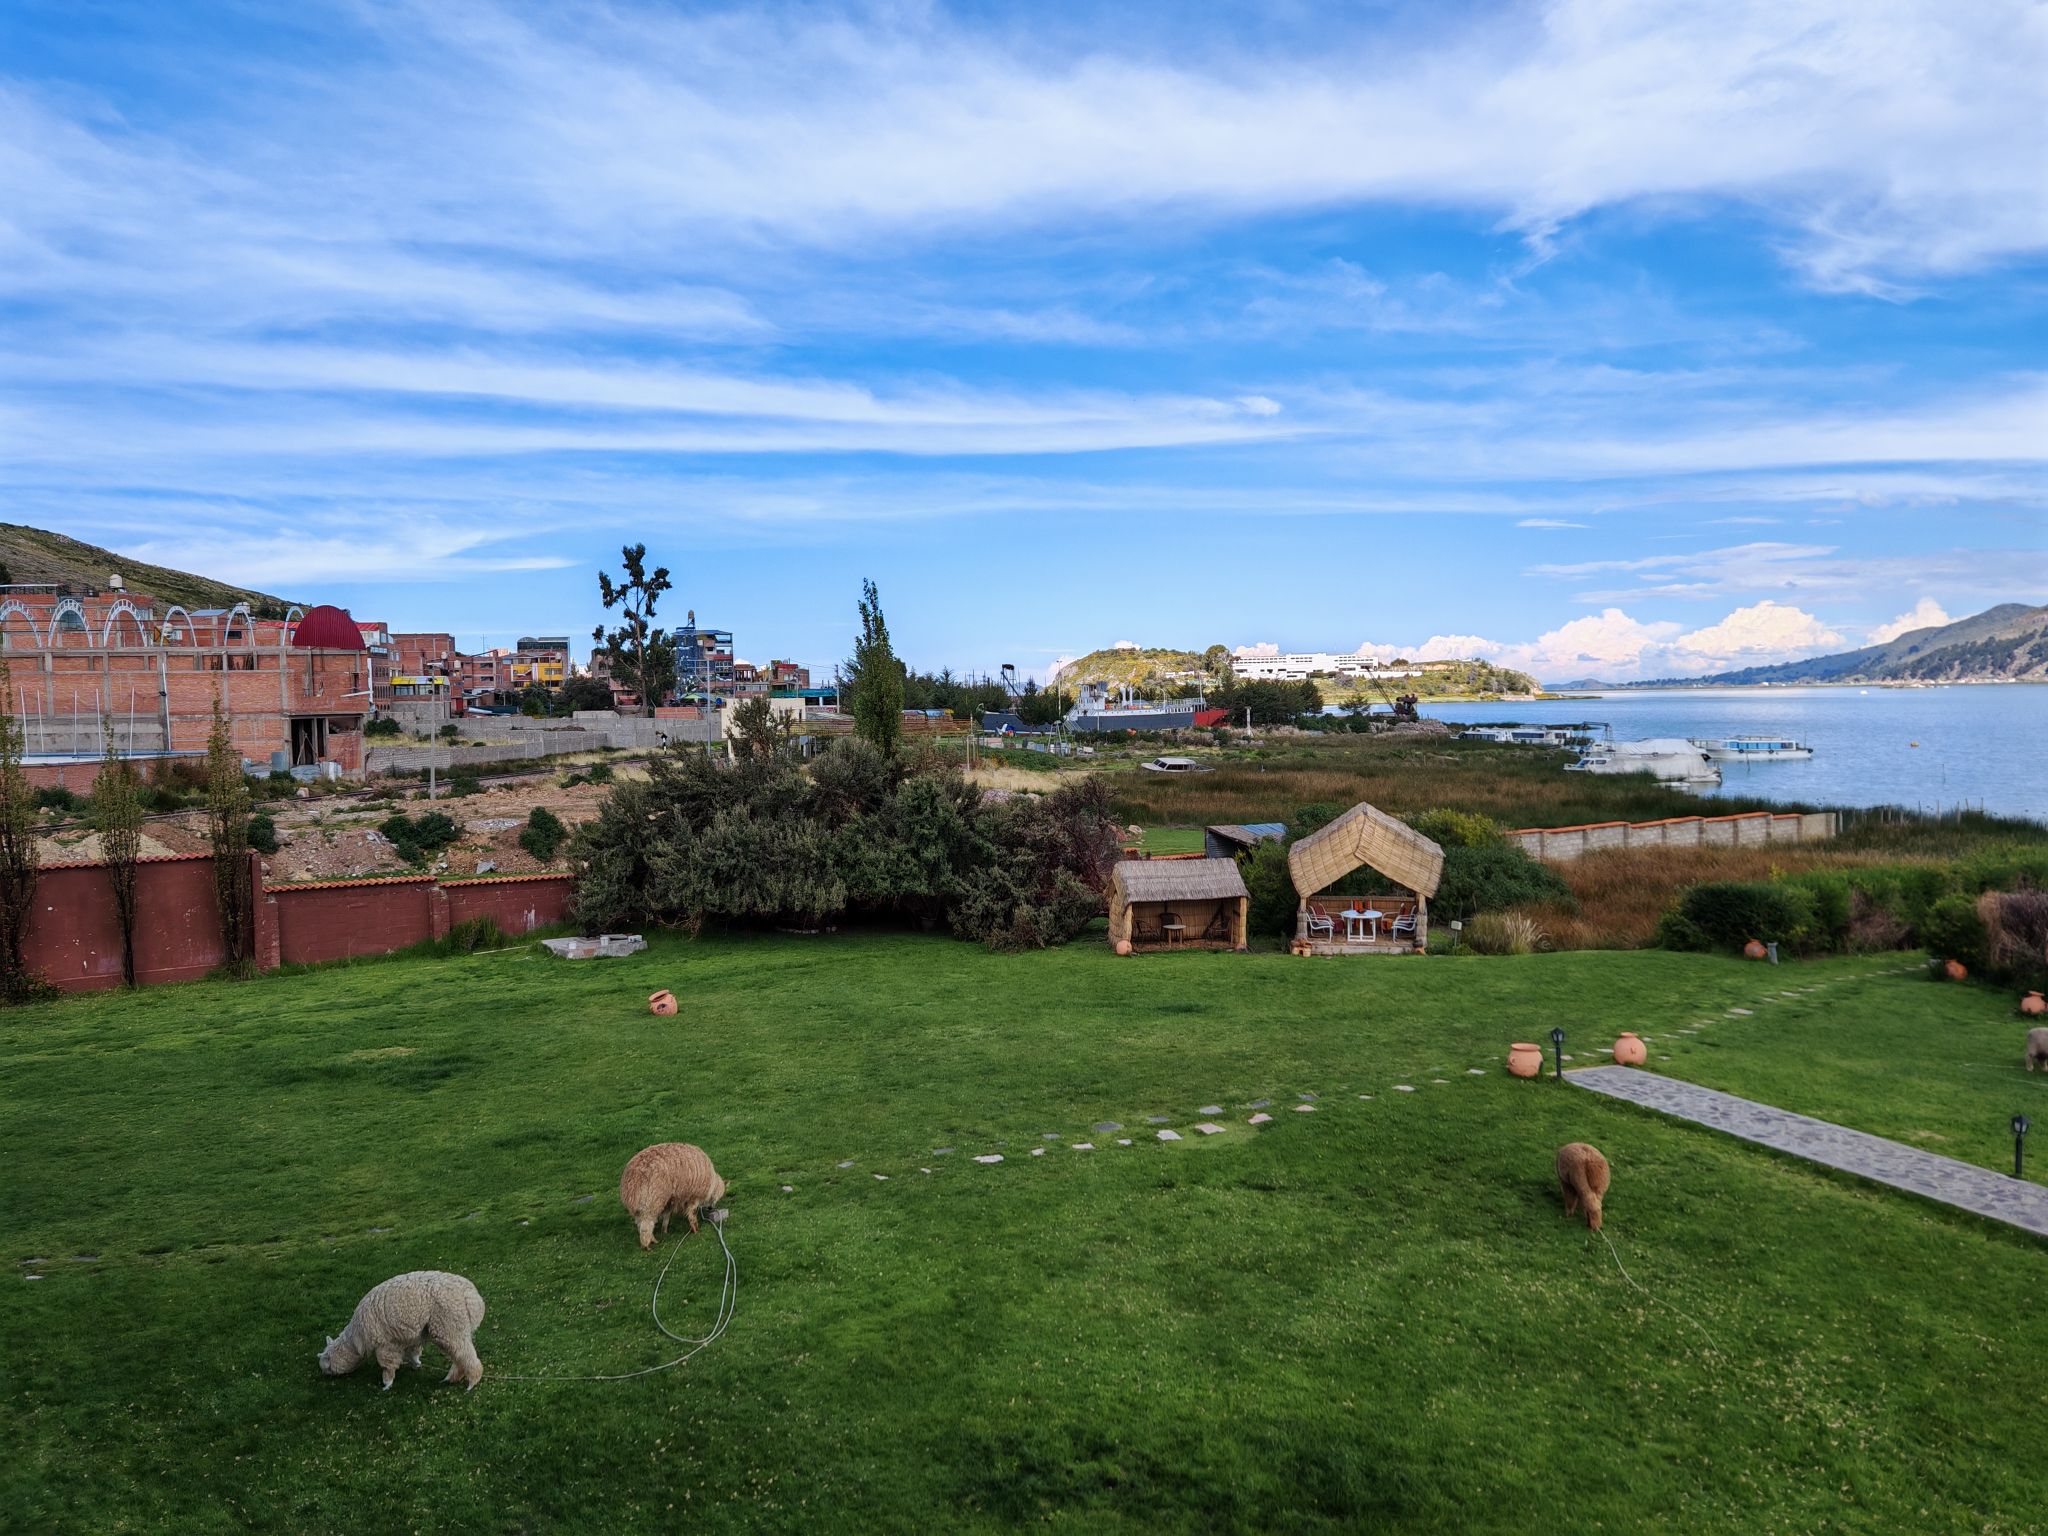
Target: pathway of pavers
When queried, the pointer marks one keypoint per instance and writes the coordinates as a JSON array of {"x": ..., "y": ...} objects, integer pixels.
[{"x": 1962, "y": 1185}]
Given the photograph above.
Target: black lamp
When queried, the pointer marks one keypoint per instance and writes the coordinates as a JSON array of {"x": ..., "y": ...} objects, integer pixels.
[
  {"x": 1557, "y": 1045},
  {"x": 2020, "y": 1126}
]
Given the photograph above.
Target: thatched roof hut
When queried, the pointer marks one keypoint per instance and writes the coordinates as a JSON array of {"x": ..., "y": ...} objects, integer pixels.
[
  {"x": 1365, "y": 838},
  {"x": 1158, "y": 903}
]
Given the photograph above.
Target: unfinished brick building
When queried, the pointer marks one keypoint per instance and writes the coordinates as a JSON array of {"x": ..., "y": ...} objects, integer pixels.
[{"x": 295, "y": 690}]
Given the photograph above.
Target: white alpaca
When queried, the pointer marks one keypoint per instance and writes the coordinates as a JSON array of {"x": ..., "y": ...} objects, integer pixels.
[{"x": 403, "y": 1313}]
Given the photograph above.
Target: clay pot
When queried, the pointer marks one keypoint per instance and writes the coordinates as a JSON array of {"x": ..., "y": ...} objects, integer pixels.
[
  {"x": 661, "y": 1003},
  {"x": 1954, "y": 970},
  {"x": 1629, "y": 1050},
  {"x": 1123, "y": 946},
  {"x": 1524, "y": 1059},
  {"x": 2033, "y": 1005},
  {"x": 1755, "y": 949}
]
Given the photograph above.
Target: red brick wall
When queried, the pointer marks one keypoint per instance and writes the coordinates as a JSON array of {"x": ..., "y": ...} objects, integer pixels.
[{"x": 75, "y": 941}]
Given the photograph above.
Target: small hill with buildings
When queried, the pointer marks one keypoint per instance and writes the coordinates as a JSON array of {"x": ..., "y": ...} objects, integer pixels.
[
  {"x": 1157, "y": 671},
  {"x": 35, "y": 556}
]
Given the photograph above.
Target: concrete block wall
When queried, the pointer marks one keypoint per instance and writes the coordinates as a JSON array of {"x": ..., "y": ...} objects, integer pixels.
[{"x": 1748, "y": 829}]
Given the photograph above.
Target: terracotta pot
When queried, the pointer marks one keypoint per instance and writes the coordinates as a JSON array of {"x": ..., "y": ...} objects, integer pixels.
[
  {"x": 1629, "y": 1050},
  {"x": 661, "y": 1003},
  {"x": 1954, "y": 970},
  {"x": 1755, "y": 949},
  {"x": 1524, "y": 1059},
  {"x": 2033, "y": 1005},
  {"x": 1123, "y": 946}
]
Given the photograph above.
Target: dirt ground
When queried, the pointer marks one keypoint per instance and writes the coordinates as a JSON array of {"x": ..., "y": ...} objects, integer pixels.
[{"x": 335, "y": 837}]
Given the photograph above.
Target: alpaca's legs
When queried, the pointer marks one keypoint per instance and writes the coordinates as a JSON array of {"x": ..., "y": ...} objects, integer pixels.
[
  {"x": 463, "y": 1364},
  {"x": 691, "y": 1214},
  {"x": 1571, "y": 1201},
  {"x": 412, "y": 1355},
  {"x": 664, "y": 1222},
  {"x": 390, "y": 1357}
]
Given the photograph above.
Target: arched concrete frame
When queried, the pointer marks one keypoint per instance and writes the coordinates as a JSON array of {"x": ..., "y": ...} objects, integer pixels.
[
  {"x": 123, "y": 609},
  {"x": 14, "y": 608},
  {"x": 225, "y": 631},
  {"x": 292, "y": 615},
  {"x": 68, "y": 618},
  {"x": 190, "y": 629}
]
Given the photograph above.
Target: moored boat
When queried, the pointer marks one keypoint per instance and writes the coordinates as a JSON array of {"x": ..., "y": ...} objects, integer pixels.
[
  {"x": 1669, "y": 759},
  {"x": 1753, "y": 749}
]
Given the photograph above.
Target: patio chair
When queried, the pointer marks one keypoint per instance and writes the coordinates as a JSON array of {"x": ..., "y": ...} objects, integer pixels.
[
  {"x": 1321, "y": 924},
  {"x": 1404, "y": 924}
]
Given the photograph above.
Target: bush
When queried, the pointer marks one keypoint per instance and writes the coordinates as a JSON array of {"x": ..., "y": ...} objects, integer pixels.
[
  {"x": 1505, "y": 933},
  {"x": 2016, "y": 928},
  {"x": 463, "y": 780},
  {"x": 1457, "y": 829},
  {"x": 1728, "y": 914},
  {"x": 1271, "y": 888},
  {"x": 262, "y": 833},
  {"x": 58, "y": 798},
  {"x": 1952, "y": 930},
  {"x": 543, "y": 835},
  {"x": 598, "y": 773},
  {"x": 383, "y": 726},
  {"x": 449, "y": 732},
  {"x": 1492, "y": 878},
  {"x": 414, "y": 837}
]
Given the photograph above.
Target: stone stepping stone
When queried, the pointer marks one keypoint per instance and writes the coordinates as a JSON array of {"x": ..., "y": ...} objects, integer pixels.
[
  {"x": 1469, "y": 1072},
  {"x": 847, "y": 1164},
  {"x": 1404, "y": 1088},
  {"x": 1104, "y": 1127},
  {"x": 924, "y": 1170},
  {"x": 789, "y": 1189},
  {"x": 1565, "y": 1056},
  {"x": 1084, "y": 1146},
  {"x": 1038, "y": 1151},
  {"x": 990, "y": 1157},
  {"x": 1259, "y": 1104},
  {"x": 1442, "y": 1082},
  {"x": 882, "y": 1177},
  {"x": 1740, "y": 1013},
  {"x": 1304, "y": 1109},
  {"x": 1157, "y": 1119},
  {"x": 1048, "y": 1135},
  {"x": 940, "y": 1151},
  {"x": 1123, "y": 1141},
  {"x": 583, "y": 1200},
  {"x": 1209, "y": 1130},
  {"x": 1210, "y": 1109},
  {"x": 1167, "y": 1135},
  {"x": 1304, "y": 1096},
  {"x": 1261, "y": 1118},
  {"x": 1365, "y": 1095},
  {"x": 31, "y": 1277}
]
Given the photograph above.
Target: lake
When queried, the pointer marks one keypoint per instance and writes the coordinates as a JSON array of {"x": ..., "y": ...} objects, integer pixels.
[{"x": 1983, "y": 745}]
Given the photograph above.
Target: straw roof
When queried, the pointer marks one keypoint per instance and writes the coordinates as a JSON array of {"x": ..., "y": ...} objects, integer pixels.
[
  {"x": 1365, "y": 838},
  {"x": 1177, "y": 880}
]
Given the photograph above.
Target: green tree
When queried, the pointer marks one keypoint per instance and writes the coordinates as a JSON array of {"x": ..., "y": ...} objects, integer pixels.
[
  {"x": 1038, "y": 706},
  {"x": 757, "y": 732},
  {"x": 873, "y": 679},
  {"x": 227, "y": 835},
  {"x": 1216, "y": 662},
  {"x": 643, "y": 658},
  {"x": 116, "y": 816},
  {"x": 18, "y": 858}
]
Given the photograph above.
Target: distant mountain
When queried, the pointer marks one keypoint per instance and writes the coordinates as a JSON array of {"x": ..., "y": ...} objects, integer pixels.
[
  {"x": 2009, "y": 642},
  {"x": 35, "y": 555}
]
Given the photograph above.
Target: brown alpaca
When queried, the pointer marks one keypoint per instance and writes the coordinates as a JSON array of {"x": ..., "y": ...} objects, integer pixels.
[
  {"x": 1582, "y": 1175},
  {"x": 662, "y": 1181}
]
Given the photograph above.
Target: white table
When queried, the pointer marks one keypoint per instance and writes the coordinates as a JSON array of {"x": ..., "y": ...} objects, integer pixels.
[{"x": 1362, "y": 924}]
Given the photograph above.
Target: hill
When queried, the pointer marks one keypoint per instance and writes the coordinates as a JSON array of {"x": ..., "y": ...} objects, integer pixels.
[
  {"x": 2006, "y": 643},
  {"x": 35, "y": 555},
  {"x": 1158, "y": 672}
]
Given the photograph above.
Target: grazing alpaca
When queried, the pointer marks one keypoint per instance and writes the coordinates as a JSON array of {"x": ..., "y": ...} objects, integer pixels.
[
  {"x": 2037, "y": 1048},
  {"x": 666, "y": 1179},
  {"x": 397, "y": 1317},
  {"x": 1582, "y": 1175}
]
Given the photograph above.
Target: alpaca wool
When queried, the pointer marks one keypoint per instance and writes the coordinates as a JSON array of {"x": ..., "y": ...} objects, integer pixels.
[
  {"x": 405, "y": 1312},
  {"x": 2037, "y": 1048},
  {"x": 1582, "y": 1174},
  {"x": 669, "y": 1179}
]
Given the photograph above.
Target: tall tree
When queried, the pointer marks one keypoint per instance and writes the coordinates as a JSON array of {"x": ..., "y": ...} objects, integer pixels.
[
  {"x": 757, "y": 733},
  {"x": 116, "y": 814},
  {"x": 227, "y": 834},
  {"x": 873, "y": 679},
  {"x": 17, "y": 851},
  {"x": 643, "y": 658}
]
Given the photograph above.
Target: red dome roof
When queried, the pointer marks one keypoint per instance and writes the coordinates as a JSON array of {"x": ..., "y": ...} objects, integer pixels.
[{"x": 327, "y": 628}]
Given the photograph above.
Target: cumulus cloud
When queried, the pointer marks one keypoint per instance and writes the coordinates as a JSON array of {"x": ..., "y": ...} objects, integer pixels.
[{"x": 1925, "y": 614}]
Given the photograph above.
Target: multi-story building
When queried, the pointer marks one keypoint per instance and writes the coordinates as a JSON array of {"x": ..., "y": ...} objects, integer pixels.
[
  {"x": 294, "y": 690},
  {"x": 704, "y": 659},
  {"x": 787, "y": 676},
  {"x": 748, "y": 682},
  {"x": 1268, "y": 663}
]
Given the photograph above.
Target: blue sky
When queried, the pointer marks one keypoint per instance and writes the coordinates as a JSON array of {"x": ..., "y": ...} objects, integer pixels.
[{"x": 1598, "y": 337}]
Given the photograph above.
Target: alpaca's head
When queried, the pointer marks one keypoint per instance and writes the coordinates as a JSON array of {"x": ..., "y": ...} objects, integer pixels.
[
  {"x": 339, "y": 1358},
  {"x": 1593, "y": 1211}
]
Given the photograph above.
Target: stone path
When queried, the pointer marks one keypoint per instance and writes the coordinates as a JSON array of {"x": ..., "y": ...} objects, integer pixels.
[{"x": 1962, "y": 1185}]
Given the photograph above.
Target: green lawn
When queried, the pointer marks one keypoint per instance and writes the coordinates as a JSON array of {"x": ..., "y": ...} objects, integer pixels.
[
  {"x": 1937, "y": 1066},
  {"x": 1172, "y": 840},
  {"x": 1370, "y": 1314}
]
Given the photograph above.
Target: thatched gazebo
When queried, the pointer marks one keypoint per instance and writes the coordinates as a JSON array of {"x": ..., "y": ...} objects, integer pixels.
[
  {"x": 1167, "y": 903},
  {"x": 1395, "y": 922}
]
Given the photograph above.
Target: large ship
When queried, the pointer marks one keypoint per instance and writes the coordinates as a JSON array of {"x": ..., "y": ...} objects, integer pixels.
[
  {"x": 1101, "y": 708},
  {"x": 1753, "y": 749}
]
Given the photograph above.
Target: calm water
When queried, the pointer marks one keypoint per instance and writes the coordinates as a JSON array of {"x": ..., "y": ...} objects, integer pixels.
[{"x": 1983, "y": 745}]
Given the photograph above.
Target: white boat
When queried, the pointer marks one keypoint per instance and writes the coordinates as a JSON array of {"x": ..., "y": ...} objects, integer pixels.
[
  {"x": 1753, "y": 749},
  {"x": 1174, "y": 765},
  {"x": 1670, "y": 759}
]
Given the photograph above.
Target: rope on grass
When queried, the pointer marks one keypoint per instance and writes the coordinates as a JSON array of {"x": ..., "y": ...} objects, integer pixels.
[
  {"x": 1631, "y": 1279},
  {"x": 728, "y": 1300}
]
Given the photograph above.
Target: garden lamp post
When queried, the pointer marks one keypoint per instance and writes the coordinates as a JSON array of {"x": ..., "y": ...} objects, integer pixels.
[
  {"x": 2020, "y": 1126},
  {"x": 1557, "y": 1046}
]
